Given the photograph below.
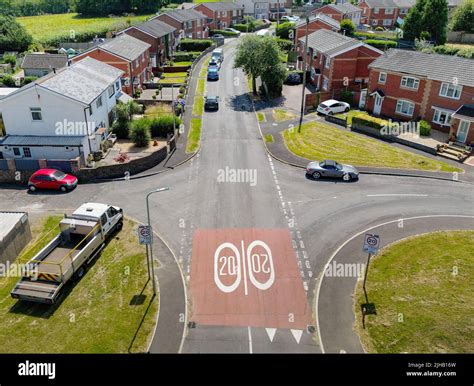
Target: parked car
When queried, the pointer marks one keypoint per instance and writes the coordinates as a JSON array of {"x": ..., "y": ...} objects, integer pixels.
[
  {"x": 291, "y": 19},
  {"x": 214, "y": 63},
  {"x": 51, "y": 179},
  {"x": 232, "y": 30},
  {"x": 293, "y": 78},
  {"x": 218, "y": 36},
  {"x": 212, "y": 73},
  {"x": 332, "y": 169},
  {"x": 211, "y": 102},
  {"x": 333, "y": 106}
]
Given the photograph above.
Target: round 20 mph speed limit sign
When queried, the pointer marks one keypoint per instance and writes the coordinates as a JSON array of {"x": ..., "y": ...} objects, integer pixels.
[{"x": 371, "y": 243}]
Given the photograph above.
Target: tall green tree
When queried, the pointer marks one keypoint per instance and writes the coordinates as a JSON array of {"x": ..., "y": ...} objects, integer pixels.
[
  {"x": 463, "y": 17},
  {"x": 13, "y": 36},
  {"x": 260, "y": 57},
  {"x": 427, "y": 18}
]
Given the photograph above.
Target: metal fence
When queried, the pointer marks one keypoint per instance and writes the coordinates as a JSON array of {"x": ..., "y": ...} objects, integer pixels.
[
  {"x": 3, "y": 164},
  {"x": 26, "y": 164},
  {"x": 63, "y": 165}
]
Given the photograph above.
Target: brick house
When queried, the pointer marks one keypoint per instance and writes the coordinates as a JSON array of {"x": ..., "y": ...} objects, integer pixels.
[
  {"x": 411, "y": 85},
  {"x": 266, "y": 9},
  {"x": 127, "y": 54},
  {"x": 36, "y": 64},
  {"x": 222, "y": 14},
  {"x": 337, "y": 62},
  {"x": 317, "y": 22},
  {"x": 189, "y": 23},
  {"x": 159, "y": 35},
  {"x": 384, "y": 13},
  {"x": 341, "y": 11}
]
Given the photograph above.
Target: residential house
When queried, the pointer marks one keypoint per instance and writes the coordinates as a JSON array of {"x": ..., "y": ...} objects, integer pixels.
[
  {"x": 221, "y": 14},
  {"x": 340, "y": 12},
  {"x": 412, "y": 85},
  {"x": 269, "y": 9},
  {"x": 384, "y": 13},
  {"x": 128, "y": 54},
  {"x": 63, "y": 115},
  {"x": 40, "y": 64},
  {"x": 336, "y": 61},
  {"x": 317, "y": 22},
  {"x": 159, "y": 35},
  {"x": 189, "y": 23}
]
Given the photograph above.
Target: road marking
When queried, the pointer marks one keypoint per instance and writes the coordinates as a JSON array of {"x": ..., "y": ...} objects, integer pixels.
[
  {"x": 250, "y": 340},
  {"x": 245, "y": 270},
  {"x": 318, "y": 290},
  {"x": 397, "y": 195},
  {"x": 271, "y": 333},
  {"x": 297, "y": 335}
]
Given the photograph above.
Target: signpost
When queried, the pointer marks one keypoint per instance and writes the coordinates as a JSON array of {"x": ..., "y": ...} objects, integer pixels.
[
  {"x": 371, "y": 246},
  {"x": 145, "y": 235}
]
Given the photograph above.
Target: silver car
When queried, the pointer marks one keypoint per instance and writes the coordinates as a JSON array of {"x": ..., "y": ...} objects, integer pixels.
[{"x": 331, "y": 169}]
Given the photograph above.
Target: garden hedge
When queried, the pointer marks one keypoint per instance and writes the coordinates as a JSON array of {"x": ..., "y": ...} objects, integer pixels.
[{"x": 195, "y": 44}]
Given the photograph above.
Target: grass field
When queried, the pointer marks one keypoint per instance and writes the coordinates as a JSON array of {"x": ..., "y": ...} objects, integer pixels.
[
  {"x": 194, "y": 136},
  {"x": 281, "y": 115},
  {"x": 422, "y": 289},
  {"x": 318, "y": 141},
  {"x": 46, "y": 27},
  {"x": 261, "y": 117},
  {"x": 110, "y": 310}
]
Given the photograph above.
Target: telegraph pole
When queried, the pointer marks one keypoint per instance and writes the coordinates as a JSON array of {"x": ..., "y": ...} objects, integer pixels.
[{"x": 305, "y": 58}]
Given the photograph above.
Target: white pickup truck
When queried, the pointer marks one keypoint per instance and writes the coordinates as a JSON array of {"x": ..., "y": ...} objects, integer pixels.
[{"x": 81, "y": 238}]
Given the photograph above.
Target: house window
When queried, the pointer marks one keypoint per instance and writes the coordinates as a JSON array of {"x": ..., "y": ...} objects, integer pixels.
[
  {"x": 405, "y": 108},
  {"x": 27, "y": 152},
  {"x": 376, "y": 10},
  {"x": 387, "y": 22},
  {"x": 403, "y": 11},
  {"x": 16, "y": 151},
  {"x": 450, "y": 90},
  {"x": 98, "y": 102},
  {"x": 382, "y": 77},
  {"x": 224, "y": 13},
  {"x": 36, "y": 114},
  {"x": 111, "y": 91},
  {"x": 325, "y": 83},
  {"x": 388, "y": 11},
  {"x": 442, "y": 117},
  {"x": 409, "y": 82},
  {"x": 328, "y": 62},
  {"x": 117, "y": 85}
]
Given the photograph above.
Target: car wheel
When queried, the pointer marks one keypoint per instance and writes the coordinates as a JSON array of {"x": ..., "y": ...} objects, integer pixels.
[
  {"x": 63, "y": 188},
  {"x": 80, "y": 272},
  {"x": 316, "y": 175},
  {"x": 32, "y": 188},
  {"x": 119, "y": 226},
  {"x": 347, "y": 177},
  {"x": 330, "y": 113},
  {"x": 347, "y": 109}
]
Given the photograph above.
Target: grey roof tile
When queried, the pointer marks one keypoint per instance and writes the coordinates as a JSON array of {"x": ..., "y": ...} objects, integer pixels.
[
  {"x": 320, "y": 16},
  {"x": 43, "y": 140},
  {"x": 44, "y": 61},
  {"x": 329, "y": 42},
  {"x": 183, "y": 15},
  {"x": 443, "y": 68},
  {"x": 155, "y": 27},
  {"x": 221, "y": 6},
  {"x": 125, "y": 46}
]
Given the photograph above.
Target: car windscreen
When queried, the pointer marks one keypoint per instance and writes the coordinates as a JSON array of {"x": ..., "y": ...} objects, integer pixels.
[{"x": 59, "y": 175}]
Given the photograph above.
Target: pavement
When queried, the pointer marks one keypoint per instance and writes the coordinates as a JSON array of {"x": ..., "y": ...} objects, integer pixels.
[{"x": 232, "y": 211}]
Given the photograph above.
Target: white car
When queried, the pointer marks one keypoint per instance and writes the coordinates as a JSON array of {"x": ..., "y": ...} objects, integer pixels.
[
  {"x": 291, "y": 19},
  {"x": 333, "y": 106},
  {"x": 232, "y": 30}
]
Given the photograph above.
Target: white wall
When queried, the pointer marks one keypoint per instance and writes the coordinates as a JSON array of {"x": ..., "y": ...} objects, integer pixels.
[{"x": 45, "y": 152}]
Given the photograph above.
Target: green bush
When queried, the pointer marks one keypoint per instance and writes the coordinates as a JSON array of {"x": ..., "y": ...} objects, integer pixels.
[
  {"x": 381, "y": 44},
  {"x": 347, "y": 96},
  {"x": 243, "y": 27},
  {"x": 369, "y": 121},
  {"x": 140, "y": 132},
  {"x": 29, "y": 79},
  {"x": 10, "y": 59},
  {"x": 182, "y": 56},
  {"x": 195, "y": 44},
  {"x": 451, "y": 50},
  {"x": 425, "y": 128},
  {"x": 284, "y": 44},
  {"x": 283, "y": 30},
  {"x": 374, "y": 36},
  {"x": 162, "y": 126},
  {"x": 223, "y": 33},
  {"x": 121, "y": 129},
  {"x": 8, "y": 81},
  {"x": 348, "y": 26}
]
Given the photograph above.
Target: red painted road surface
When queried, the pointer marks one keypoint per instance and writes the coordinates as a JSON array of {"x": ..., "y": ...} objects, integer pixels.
[{"x": 247, "y": 277}]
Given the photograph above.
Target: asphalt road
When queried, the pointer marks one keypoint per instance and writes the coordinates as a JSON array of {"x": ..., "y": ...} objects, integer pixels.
[{"x": 320, "y": 216}]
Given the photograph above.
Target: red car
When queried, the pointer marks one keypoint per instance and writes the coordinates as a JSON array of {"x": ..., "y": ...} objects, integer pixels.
[{"x": 51, "y": 179}]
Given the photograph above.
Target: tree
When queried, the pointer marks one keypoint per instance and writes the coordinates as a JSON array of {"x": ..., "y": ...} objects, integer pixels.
[
  {"x": 348, "y": 26},
  {"x": 283, "y": 30},
  {"x": 13, "y": 36},
  {"x": 463, "y": 17},
  {"x": 428, "y": 18},
  {"x": 140, "y": 133},
  {"x": 260, "y": 56}
]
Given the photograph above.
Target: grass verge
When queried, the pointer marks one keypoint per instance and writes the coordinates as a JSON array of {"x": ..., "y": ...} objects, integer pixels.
[
  {"x": 422, "y": 289},
  {"x": 318, "y": 141},
  {"x": 268, "y": 138},
  {"x": 261, "y": 117},
  {"x": 110, "y": 310},
  {"x": 201, "y": 86},
  {"x": 198, "y": 107},
  {"x": 194, "y": 136},
  {"x": 281, "y": 115}
]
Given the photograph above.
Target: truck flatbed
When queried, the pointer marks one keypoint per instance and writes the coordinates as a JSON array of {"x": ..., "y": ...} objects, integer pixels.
[{"x": 55, "y": 261}]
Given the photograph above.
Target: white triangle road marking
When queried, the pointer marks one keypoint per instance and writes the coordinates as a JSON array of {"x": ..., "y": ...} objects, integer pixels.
[
  {"x": 271, "y": 333},
  {"x": 297, "y": 335}
]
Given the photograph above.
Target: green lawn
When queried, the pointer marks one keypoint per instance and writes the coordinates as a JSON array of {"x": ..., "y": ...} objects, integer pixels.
[
  {"x": 198, "y": 108},
  {"x": 422, "y": 289},
  {"x": 46, "y": 27},
  {"x": 318, "y": 141},
  {"x": 194, "y": 136},
  {"x": 261, "y": 117},
  {"x": 268, "y": 138},
  {"x": 173, "y": 78},
  {"x": 281, "y": 115},
  {"x": 201, "y": 87},
  {"x": 108, "y": 311},
  {"x": 182, "y": 64},
  {"x": 203, "y": 72}
]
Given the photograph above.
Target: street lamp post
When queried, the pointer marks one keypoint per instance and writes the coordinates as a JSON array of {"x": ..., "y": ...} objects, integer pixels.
[
  {"x": 305, "y": 59},
  {"x": 150, "y": 255}
]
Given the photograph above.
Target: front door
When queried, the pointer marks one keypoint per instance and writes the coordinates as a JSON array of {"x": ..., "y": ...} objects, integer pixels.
[
  {"x": 363, "y": 97},
  {"x": 463, "y": 129},
  {"x": 378, "y": 104}
]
